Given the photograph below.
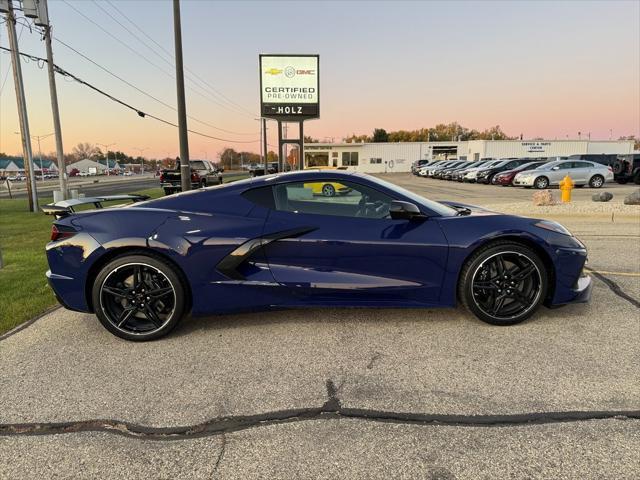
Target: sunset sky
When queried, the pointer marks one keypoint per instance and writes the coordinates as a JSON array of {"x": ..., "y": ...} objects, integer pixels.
[{"x": 543, "y": 69}]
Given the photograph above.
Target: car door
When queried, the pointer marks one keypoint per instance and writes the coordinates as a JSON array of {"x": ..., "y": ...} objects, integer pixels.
[
  {"x": 557, "y": 173},
  {"x": 581, "y": 172},
  {"x": 346, "y": 250}
]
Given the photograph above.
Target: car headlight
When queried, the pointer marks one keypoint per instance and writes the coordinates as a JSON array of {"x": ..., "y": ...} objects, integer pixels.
[{"x": 553, "y": 227}]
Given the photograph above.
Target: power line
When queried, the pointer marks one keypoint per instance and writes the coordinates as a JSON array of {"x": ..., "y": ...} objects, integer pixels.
[
  {"x": 141, "y": 30},
  {"x": 170, "y": 75},
  {"x": 142, "y": 91},
  {"x": 140, "y": 113}
]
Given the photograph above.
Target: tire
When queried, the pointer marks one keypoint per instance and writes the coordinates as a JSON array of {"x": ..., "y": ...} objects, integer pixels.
[
  {"x": 622, "y": 181},
  {"x": 169, "y": 191},
  {"x": 541, "y": 183},
  {"x": 597, "y": 181},
  {"x": 123, "y": 311},
  {"x": 521, "y": 299},
  {"x": 328, "y": 190},
  {"x": 619, "y": 166},
  {"x": 636, "y": 178},
  {"x": 203, "y": 183}
]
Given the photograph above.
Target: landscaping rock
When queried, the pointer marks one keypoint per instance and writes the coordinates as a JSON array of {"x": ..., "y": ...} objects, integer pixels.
[
  {"x": 602, "y": 197},
  {"x": 633, "y": 198},
  {"x": 543, "y": 197}
]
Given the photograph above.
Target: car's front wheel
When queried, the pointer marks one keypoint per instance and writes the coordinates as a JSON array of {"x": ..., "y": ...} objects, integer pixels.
[
  {"x": 328, "y": 190},
  {"x": 503, "y": 283},
  {"x": 138, "y": 297},
  {"x": 541, "y": 183}
]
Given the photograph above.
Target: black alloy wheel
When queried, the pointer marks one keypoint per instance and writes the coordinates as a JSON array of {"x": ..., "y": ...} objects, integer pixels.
[
  {"x": 503, "y": 284},
  {"x": 138, "y": 297}
]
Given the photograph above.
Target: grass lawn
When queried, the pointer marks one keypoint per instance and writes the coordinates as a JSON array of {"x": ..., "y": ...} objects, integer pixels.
[{"x": 24, "y": 292}]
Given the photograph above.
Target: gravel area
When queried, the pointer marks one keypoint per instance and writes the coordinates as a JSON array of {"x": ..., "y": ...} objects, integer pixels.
[{"x": 573, "y": 208}]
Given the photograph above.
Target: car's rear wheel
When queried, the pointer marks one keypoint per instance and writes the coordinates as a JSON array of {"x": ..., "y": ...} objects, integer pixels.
[
  {"x": 596, "y": 181},
  {"x": 503, "y": 283},
  {"x": 328, "y": 190},
  {"x": 138, "y": 297},
  {"x": 541, "y": 183}
]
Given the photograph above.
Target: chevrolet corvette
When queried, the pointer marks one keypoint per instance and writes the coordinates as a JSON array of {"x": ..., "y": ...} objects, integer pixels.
[{"x": 269, "y": 242}]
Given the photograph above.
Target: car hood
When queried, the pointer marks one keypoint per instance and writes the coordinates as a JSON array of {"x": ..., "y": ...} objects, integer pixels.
[{"x": 475, "y": 209}]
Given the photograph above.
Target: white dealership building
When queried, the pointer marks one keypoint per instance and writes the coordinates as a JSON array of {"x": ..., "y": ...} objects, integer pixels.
[{"x": 398, "y": 157}]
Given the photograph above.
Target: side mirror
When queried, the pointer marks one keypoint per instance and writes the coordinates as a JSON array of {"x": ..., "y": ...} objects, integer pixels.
[{"x": 405, "y": 211}]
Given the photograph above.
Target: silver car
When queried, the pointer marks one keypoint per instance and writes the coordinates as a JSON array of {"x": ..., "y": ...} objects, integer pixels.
[{"x": 581, "y": 172}]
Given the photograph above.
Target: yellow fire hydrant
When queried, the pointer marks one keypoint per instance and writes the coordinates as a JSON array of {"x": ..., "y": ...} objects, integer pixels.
[{"x": 566, "y": 185}]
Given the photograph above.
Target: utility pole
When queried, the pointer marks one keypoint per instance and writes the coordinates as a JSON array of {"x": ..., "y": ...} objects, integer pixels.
[
  {"x": 264, "y": 140},
  {"x": 185, "y": 169},
  {"x": 57, "y": 129},
  {"x": 22, "y": 110},
  {"x": 106, "y": 149}
]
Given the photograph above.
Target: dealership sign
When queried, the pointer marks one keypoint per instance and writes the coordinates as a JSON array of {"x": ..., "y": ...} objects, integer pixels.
[
  {"x": 533, "y": 147},
  {"x": 289, "y": 87}
]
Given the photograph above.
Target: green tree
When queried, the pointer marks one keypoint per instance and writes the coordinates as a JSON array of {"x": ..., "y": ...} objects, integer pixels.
[{"x": 380, "y": 135}]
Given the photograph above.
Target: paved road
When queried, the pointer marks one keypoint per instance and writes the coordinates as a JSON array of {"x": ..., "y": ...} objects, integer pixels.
[
  {"x": 338, "y": 393},
  {"x": 92, "y": 186}
]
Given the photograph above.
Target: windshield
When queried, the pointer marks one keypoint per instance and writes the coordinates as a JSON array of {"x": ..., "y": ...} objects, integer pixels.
[
  {"x": 198, "y": 164},
  {"x": 436, "y": 207}
]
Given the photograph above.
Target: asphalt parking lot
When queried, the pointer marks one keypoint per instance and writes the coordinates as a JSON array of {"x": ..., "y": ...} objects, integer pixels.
[{"x": 343, "y": 393}]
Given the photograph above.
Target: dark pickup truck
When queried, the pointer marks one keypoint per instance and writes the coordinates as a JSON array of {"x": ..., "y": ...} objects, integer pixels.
[{"x": 203, "y": 174}]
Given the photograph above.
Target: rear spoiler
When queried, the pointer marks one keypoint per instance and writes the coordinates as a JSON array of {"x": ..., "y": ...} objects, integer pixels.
[{"x": 67, "y": 207}]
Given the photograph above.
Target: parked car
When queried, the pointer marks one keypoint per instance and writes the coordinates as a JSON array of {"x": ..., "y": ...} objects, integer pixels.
[
  {"x": 143, "y": 268},
  {"x": 456, "y": 172},
  {"x": 415, "y": 166},
  {"x": 582, "y": 173},
  {"x": 430, "y": 170},
  {"x": 486, "y": 174},
  {"x": 627, "y": 168},
  {"x": 203, "y": 174},
  {"x": 471, "y": 174},
  {"x": 442, "y": 171},
  {"x": 506, "y": 178},
  {"x": 424, "y": 170}
]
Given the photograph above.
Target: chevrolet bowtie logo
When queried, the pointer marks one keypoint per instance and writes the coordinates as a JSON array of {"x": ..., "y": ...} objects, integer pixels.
[{"x": 273, "y": 71}]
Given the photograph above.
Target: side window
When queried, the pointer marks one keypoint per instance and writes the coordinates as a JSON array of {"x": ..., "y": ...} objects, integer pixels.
[
  {"x": 350, "y": 159},
  {"x": 331, "y": 197},
  {"x": 511, "y": 165},
  {"x": 262, "y": 196},
  {"x": 565, "y": 165}
]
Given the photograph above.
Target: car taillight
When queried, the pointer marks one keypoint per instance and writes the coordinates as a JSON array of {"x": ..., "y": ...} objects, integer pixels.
[
  {"x": 610, "y": 169},
  {"x": 59, "y": 232},
  {"x": 162, "y": 177},
  {"x": 194, "y": 176}
]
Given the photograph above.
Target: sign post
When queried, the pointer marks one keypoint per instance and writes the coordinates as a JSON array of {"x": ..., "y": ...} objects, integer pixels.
[{"x": 289, "y": 92}]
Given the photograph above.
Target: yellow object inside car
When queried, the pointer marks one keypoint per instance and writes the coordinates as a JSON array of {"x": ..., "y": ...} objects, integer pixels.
[{"x": 327, "y": 189}]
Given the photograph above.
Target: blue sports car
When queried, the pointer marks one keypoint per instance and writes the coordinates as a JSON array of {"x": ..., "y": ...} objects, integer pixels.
[{"x": 274, "y": 242}]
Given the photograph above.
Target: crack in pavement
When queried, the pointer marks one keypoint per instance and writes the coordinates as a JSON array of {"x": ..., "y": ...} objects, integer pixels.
[
  {"x": 331, "y": 410},
  {"x": 223, "y": 448},
  {"x": 615, "y": 288}
]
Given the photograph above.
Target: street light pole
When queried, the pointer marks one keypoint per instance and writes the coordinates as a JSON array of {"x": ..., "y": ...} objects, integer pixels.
[
  {"x": 141, "y": 158},
  {"x": 185, "y": 168},
  {"x": 106, "y": 149}
]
